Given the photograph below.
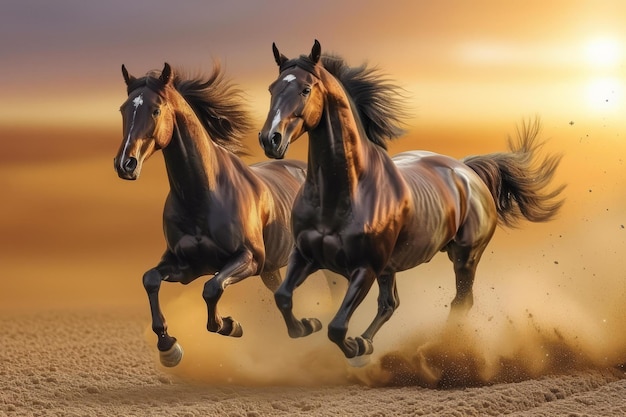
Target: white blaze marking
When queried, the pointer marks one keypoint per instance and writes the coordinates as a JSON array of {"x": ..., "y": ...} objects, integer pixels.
[
  {"x": 275, "y": 121},
  {"x": 289, "y": 78},
  {"x": 137, "y": 101}
]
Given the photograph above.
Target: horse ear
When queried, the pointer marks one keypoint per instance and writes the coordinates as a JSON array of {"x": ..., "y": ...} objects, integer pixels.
[
  {"x": 280, "y": 58},
  {"x": 127, "y": 77},
  {"x": 166, "y": 74},
  {"x": 316, "y": 52}
]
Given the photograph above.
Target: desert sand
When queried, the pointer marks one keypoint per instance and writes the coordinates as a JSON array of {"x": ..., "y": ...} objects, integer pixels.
[
  {"x": 86, "y": 363},
  {"x": 545, "y": 336}
]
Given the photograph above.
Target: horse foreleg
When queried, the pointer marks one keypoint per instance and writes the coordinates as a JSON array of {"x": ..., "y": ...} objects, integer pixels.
[
  {"x": 297, "y": 271},
  {"x": 359, "y": 285},
  {"x": 240, "y": 267},
  {"x": 388, "y": 302},
  {"x": 170, "y": 352}
]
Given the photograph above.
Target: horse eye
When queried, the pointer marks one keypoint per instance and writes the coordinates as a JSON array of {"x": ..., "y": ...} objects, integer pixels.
[
  {"x": 306, "y": 91},
  {"x": 156, "y": 112}
]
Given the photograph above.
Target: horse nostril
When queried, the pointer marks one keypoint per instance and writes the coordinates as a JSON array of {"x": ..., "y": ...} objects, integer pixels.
[
  {"x": 130, "y": 164},
  {"x": 276, "y": 138}
]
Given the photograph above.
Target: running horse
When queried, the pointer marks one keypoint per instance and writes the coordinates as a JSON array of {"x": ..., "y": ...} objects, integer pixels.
[
  {"x": 221, "y": 216},
  {"x": 365, "y": 215}
]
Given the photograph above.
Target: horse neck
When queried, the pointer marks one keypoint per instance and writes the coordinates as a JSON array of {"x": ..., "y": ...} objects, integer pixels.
[
  {"x": 338, "y": 148},
  {"x": 191, "y": 158}
]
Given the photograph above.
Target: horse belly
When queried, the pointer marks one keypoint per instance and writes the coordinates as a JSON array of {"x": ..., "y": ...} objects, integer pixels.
[{"x": 410, "y": 254}]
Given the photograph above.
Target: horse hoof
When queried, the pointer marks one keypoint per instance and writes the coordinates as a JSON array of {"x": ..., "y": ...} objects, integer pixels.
[
  {"x": 230, "y": 328},
  {"x": 237, "y": 330},
  {"x": 359, "y": 361},
  {"x": 311, "y": 326},
  {"x": 172, "y": 356}
]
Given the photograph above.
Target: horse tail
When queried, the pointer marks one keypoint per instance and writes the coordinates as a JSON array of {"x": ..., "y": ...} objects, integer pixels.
[{"x": 519, "y": 180}]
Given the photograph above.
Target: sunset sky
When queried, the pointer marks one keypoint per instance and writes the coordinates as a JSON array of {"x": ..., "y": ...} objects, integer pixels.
[
  {"x": 472, "y": 70},
  {"x": 459, "y": 61}
]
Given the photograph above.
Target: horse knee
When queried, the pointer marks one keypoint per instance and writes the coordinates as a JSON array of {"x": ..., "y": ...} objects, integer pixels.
[
  {"x": 212, "y": 290},
  {"x": 152, "y": 280}
]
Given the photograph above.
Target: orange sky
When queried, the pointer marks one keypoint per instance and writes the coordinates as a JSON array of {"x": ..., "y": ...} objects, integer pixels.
[
  {"x": 472, "y": 70},
  {"x": 465, "y": 61}
]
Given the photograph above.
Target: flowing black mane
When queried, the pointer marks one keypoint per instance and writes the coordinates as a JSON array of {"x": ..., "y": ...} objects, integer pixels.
[
  {"x": 216, "y": 102},
  {"x": 380, "y": 103}
]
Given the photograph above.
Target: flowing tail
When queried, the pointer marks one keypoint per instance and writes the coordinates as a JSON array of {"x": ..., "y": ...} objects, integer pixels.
[{"x": 519, "y": 180}]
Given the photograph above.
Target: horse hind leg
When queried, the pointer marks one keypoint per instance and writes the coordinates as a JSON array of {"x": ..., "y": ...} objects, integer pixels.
[
  {"x": 359, "y": 285},
  {"x": 388, "y": 302},
  {"x": 467, "y": 248},
  {"x": 465, "y": 260},
  {"x": 297, "y": 272}
]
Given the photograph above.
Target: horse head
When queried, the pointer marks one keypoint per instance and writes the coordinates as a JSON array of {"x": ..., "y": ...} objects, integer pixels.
[
  {"x": 297, "y": 101},
  {"x": 148, "y": 121}
]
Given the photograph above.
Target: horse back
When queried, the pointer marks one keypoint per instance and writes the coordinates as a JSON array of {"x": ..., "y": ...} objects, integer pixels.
[{"x": 437, "y": 182}]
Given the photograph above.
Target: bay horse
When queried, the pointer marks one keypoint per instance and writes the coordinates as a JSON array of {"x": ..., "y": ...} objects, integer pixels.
[
  {"x": 221, "y": 216},
  {"x": 365, "y": 215}
]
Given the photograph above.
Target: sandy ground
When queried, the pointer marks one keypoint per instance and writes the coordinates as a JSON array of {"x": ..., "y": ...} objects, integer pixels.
[{"x": 98, "y": 363}]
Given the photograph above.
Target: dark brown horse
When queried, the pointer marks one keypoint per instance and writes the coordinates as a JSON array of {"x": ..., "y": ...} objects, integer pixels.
[
  {"x": 221, "y": 216},
  {"x": 366, "y": 215}
]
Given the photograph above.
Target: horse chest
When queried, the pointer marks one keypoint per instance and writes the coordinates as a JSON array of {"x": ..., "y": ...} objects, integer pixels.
[
  {"x": 326, "y": 249},
  {"x": 340, "y": 240},
  {"x": 202, "y": 242}
]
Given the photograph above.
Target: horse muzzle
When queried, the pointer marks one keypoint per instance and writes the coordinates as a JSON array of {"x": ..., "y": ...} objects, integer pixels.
[
  {"x": 127, "y": 168},
  {"x": 272, "y": 145}
]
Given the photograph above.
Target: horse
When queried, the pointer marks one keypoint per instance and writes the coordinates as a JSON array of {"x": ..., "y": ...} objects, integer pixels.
[
  {"x": 221, "y": 216},
  {"x": 366, "y": 215}
]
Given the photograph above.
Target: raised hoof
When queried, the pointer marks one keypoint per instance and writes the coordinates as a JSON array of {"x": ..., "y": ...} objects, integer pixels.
[
  {"x": 359, "y": 361},
  {"x": 311, "y": 325},
  {"x": 230, "y": 328},
  {"x": 172, "y": 356},
  {"x": 304, "y": 328}
]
